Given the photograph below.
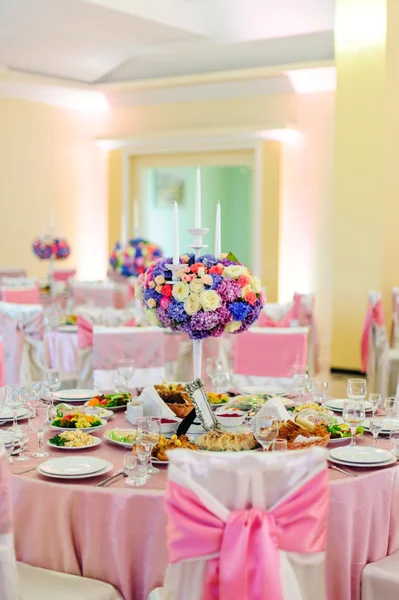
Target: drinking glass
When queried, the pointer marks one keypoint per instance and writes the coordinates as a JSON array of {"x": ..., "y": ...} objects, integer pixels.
[
  {"x": 39, "y": 422},
  {"x": 52, "y": 381},
  {"x": 148, "y": 434},
  {"x": 36, "y": 387},
  {"x": 376, "y": 426},
  {"x": 214, "y": 369},
  {"x": 134, "y": 470},
  {"x": 375, "y": 400},
  {"x": 391, "y": 407},
  {"x": 354, "y": 415},
  {"x": 143, "y": 452},
  {"x": 280, "y": 445},
  {"x": 265, "y": 430},
  {"x": 12, "y": 399},
  {"x": 300, "y": 378},
  {"x": 319, "y": 393},
  {"x": 394, "y": 437},
  {"x": 22, "y": 437},
  {"x": 125, "y": 370},
  {"x": 7, "y": 437},
  {"x": 356, "y": 389}
]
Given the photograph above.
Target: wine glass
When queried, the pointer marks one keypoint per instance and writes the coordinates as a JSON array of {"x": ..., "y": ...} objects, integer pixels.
[
  {"x": 134, "y": 470},
  {"x": 356, "y": 389},
  {"x": 353, "y": 414},
  {"x": 376, "y": 426},
  {"x": 214, "y": 370},
  {"x": 375, "y": 400},
  {"x": 319, "y": 392},
  {"x": 391, "y": 407},
  {"x": 22, "y": 437},
  {"x": 265, "y": 430},
  {"x": 52, "y": 381},
  {"x": 7, "y": 437},
  {"x": 300, "y": 379},
  {"x": 36, "y": 387},
  {"x": 39, "y": 422},
  {"x": 280, "y": 445},
  {"x": 13, "y": 400},
  {"x": 148, "y": 434},
  {"x": 125, "y": 371}
]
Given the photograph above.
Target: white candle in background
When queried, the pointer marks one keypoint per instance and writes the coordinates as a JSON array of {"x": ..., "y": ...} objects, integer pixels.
[
  {"x": 52, "y": 223},
  {"x": 218, "y": 228},
  {"x": 176, "y": 234},
  {"x": 136, "y": 215},
  {"x": 123, "y": 229},
  {"x": 197, "y": 214}
]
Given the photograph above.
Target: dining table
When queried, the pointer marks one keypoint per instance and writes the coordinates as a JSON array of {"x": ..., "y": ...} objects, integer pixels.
[{"x": 118, "y": 533}]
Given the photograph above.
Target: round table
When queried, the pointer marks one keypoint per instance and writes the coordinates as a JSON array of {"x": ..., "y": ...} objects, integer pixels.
[{"x": 118, "y": 534}]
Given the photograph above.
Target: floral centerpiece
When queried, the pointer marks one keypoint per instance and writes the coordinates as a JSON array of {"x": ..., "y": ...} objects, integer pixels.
[
  {"x": 132, "y": 258},
  {"x": 48, "y": 247},
  {"x": 211, "y": 295}
]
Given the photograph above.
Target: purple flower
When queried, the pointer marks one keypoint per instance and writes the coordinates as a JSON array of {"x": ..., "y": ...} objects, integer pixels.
[
  {"x": 208, "y": 260},
  {"x": 217, "y": 331},
  {"x": 176, "y": 311},
  {"x": 226, "y": 262},
  {"x": 204, "y": 320},
  {"x": 216, "y": 280},
  {"x": 196, "y": 334},
  {"x": 240, "y": 310},
  {"x": 229, "y": 290},
  {"x": 224, "y": 315},
  {"x": 165, "y": 319}
]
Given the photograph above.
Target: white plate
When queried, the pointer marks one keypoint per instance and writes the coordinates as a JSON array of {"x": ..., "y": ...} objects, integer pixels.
[
  {"x": 106, "y": 469},
  {"x": 338, "y": 404},
  {"x": 84, "y": 429},
  {"x": 264, "y": 389},
  {"x": 96, "y": 443},
  {"x": 364, "y": 465},
  {"x": 342, "y": 441},
  {"x": 6, "y": 414},
  {"x": 71, "y": 466},
  {"x": 74, "y": 395},
  {"x": 123, "y": 444},
  {"x": 361, "y": 454},
  {"x": 389, "y": 425},
  {"x": 159, "y": 462},
  {"x": 123, "y": 407},
  {"x": 68, "y": 328}
]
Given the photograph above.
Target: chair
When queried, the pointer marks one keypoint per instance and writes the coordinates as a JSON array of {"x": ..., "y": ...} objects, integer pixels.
[
  {"x": 267, "y": 355},
  {"x": 19, "y": 581},
  {"x": 13, "y": 273},
  {"x": 22, "y": 330},
  {"x": 20, "y": 290},
  {"x": 381, "y": 579},
  {"x": 64, "y": 275},
  {"x": 379, "y": 361},
  {"x": 99, "y": 293},
  {"x": 246, "y": 526},
  {"x": 143, "y": 345}
]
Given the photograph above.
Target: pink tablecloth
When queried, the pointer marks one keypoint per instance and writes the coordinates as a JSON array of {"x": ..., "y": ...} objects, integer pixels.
[
  {"x": 118, "y": 534},
  {"x": 62, "y": 351}
]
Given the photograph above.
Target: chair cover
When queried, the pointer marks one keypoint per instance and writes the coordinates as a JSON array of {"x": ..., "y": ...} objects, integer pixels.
[
  {"x": 19, "y": 581},
  {"x": 63, "y": 274},
  {"x": 143, "y": 345},
  {"x": 20, "y": 295},
  {"x": 22, "y": 330},
  {"x": 247, "y": 525},
  {"x": 101, "y": 293},
  {"x": 267, "y": 355},
  {"x": 211, "y": 348},
  {"x": 13, "y": 273},
  {"x": 275, "y": 314},
  {"x": 19, "y": 282}
]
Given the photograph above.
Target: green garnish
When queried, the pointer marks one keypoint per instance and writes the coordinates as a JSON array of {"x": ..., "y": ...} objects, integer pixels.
[{"x": 57, "y": 440}]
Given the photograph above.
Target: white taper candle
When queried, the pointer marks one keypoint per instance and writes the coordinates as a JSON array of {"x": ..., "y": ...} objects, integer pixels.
[
  {"x": 123, "y": 229},
  {"x": 136, "y": 215},
  {"x": 197, "y": 214},
  {"x": 218, "y": 229},
  {"x": 176, "y": 234}
]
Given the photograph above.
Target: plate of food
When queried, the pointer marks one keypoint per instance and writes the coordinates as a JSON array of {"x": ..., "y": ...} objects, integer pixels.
[
  {"x": 248, "y": 404},
  {"x": 73, "y": 440},
  {"x": 115, "y": 401},
  {"x": 176, "y": 398},
  {"x": 77, "y": 420},
  {"x": 158, "y": 454},
  {"x": 217, "y": 400},
  {"x": 224, "y": 441},
  {"x": 121, "y": 437}
]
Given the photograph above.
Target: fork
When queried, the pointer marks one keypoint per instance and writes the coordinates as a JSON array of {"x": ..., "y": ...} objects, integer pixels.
[
  {"x": 104, "y": 481},
  {"x": 342, "y": 471},
  {"x": 26, "y": 471},
  {"x": 115, "y": 479}
]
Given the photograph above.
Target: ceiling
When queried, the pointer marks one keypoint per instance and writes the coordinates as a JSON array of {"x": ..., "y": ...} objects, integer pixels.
[{"x": 112, "y": 41}]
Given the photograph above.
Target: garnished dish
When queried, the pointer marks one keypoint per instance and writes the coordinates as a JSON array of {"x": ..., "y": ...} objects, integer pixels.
[
  {"x": 221, "y": 441},
  {"x": 302, "y": 433},
  {"x": 74, "y": 439},
  {"x": 249, "y": 404},
  {"x": 217, "y": 399},
  {"x": 176, "y": 397},
  {"x": 71, "y": 320},
  {"x": 77, "y": 420},
  {"x": 121, "y": 437},
  {"x": 312, "y": 406},
  {"x": 65, "y": 409},
  {"x": 165, "y": 444},
  {"x": 112, "y": 401},
  {"x": 342, "y": 430}
]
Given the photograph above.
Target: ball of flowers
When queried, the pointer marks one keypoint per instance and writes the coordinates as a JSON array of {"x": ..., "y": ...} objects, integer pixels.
[
  {"x": 133, "y": 258},
  {"x": 211, "y": 296},
  {"x": 48, "y": 247}
]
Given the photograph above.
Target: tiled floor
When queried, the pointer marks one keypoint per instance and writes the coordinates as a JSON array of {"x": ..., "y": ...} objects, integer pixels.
[{"x": 337, "y": 384}]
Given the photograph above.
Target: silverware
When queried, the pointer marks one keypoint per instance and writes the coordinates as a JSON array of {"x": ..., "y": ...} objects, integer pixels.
[
  {"x": 26, "y": 471},
  {"x": 101, "y": 483},
  {"x": 117, "y": 478},
  {"x": 3, "y": 422},
  {"x": 342, "y": 471}
]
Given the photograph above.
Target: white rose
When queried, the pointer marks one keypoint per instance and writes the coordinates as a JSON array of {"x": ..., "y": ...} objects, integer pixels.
[
  {"x": 234, "y": 271},
  {"x": 196, "y": 286},
  {"x": 192, "y": 304},
  {"x": 152, "y": 318},
  {"x": 245, "y": 290},
  {"x": 256, "y": 284},
  {"x": 210, "y": 300},
  {"x": 180, "y": 291},
  {"x": 233, "y": 326}
]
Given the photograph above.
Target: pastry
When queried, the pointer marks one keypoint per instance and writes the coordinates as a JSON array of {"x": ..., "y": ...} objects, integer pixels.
[
  {"x": 165, "y": 444},
  {"x": 223, "y": 441}
]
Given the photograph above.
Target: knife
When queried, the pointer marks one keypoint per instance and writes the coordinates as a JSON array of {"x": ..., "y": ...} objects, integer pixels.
[{"x": 101, "y": 483}]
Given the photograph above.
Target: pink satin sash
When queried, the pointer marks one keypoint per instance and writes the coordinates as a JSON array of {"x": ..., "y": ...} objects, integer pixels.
[
  {"x": 247, "y": 567},
  {"x": 5, "y": 496},
  {"x": 63, "y": 274},
  {"x": 266, "y": 321},
  {"x": 21, "y": 296},
  {"x": 374, "y": 316},
  {"x": 145, "y": 348}
]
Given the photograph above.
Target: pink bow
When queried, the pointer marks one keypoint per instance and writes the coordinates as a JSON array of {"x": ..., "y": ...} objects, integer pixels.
[
  {"x": 5, "y": 496},
  {"x": 247, "y": 566},
  {"x": 374, "y": 316},
  {"x": 266, "y": 321}
]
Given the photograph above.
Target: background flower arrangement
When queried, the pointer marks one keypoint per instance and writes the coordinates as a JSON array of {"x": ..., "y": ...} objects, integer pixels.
[
  {"x": 134, "y": 257},
  {"x": 211, "y": 296},
  {"x": 48, "y": 247}
]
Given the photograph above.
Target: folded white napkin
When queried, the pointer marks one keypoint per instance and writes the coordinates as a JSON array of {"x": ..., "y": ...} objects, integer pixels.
[
  {"x": 302, "y": 438},
  {"x": 153, "y": 404},
  {"x": 275, "y": 407}
]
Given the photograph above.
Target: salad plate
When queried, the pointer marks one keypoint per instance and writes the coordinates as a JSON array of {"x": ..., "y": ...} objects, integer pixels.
[
  {"x": 74, "y": 395},
  {"x": 80, "y": 439},
  {"x": 337, "y": 405},
  {"x": 361, "y": 455},
  {"x": 108, "y": 467},
  {"x": 117, "y": 401},
  {"x": 386, "y": 463},
  {"x": 6, "y": 414},
  {"x": 71, "y": 466},
  {"x": 259, "y": 390},
  {"x": 121, "y": 437},
  {"x": 77, "y": 421}
]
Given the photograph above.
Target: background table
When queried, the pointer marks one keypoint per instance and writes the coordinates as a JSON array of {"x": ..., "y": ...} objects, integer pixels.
[{"x": 118, "y": 534}]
